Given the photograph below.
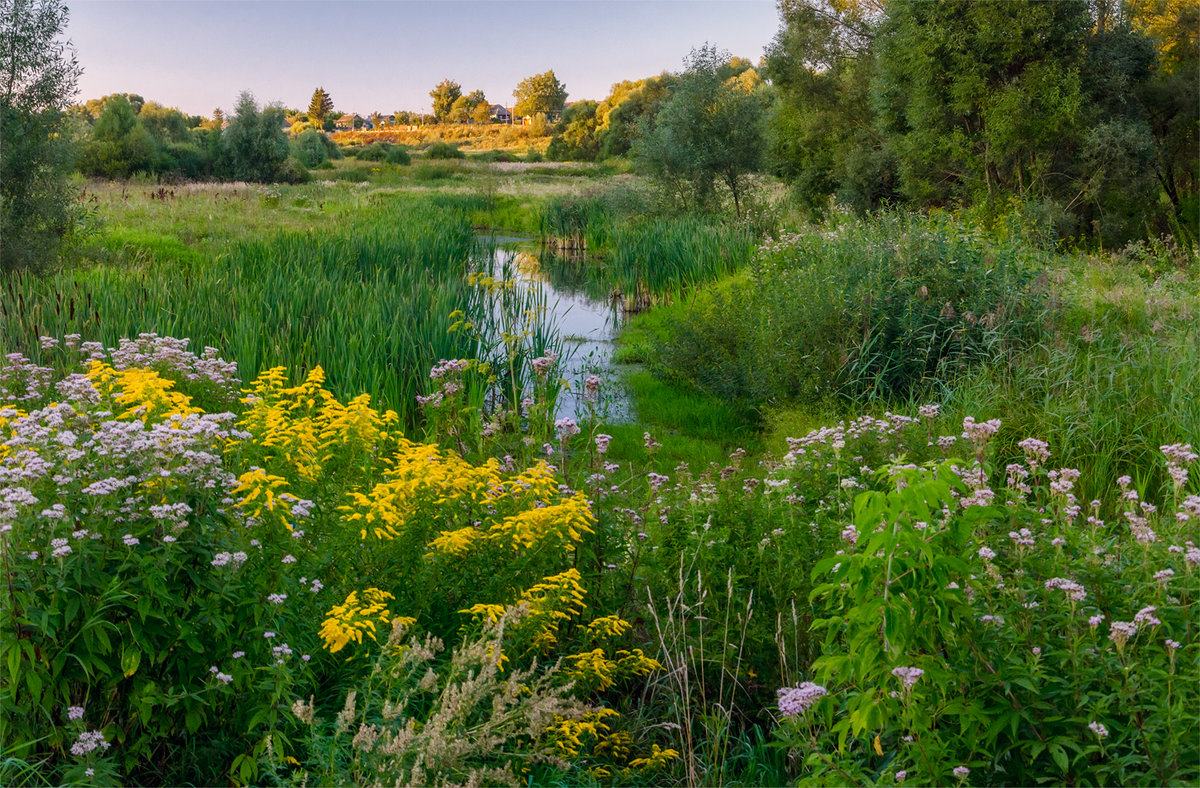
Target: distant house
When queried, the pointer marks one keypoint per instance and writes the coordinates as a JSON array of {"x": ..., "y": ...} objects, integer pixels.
[
  {"x": 390, "y": 120},
  {"x": 500, "y": 114},
  {"x": 345, "y": 123}
]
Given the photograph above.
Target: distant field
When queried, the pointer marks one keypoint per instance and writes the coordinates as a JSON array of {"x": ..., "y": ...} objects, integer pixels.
[{"x": 470, "y": 137}]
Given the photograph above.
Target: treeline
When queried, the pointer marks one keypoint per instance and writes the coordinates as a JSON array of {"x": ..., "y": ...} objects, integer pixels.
[
  {"x": 1081, "y": 112},
  {"x": 122, "y": 135}
]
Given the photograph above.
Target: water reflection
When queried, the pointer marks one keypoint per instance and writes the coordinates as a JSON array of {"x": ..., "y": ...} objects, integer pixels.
[{"x": 582, "y": 317}]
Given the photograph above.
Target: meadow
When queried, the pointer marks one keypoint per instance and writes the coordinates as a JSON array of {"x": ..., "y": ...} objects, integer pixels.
[{"x": 286, "y": 500}]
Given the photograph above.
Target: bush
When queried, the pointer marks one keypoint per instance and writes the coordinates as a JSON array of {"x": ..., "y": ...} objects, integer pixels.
[
  {"x": 312, "y": 148},
  {"x": 444, "y": 150},
  {"x": 292, "y": 171},
  {"x": 1009, "y": 635},
  {"x": 376, "y": 151},
  {"x": 862, "y": 310},
  {"x": 399, "y": 156}
]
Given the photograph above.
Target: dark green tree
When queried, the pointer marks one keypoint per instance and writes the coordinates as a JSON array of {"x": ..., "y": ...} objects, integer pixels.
[
  {"x": 982, "y": 100},
  {"x": 38, "y": 77},
  {"x": 540, "y": 93},
  {"x": 444, "y": 95},
  {"x": 821, "y": 133},
  {"x": 254, "y": 147},
  {"x": 120, "y": 145},
  {"x": 319, "y": 107},
  {"x": 709, "y": 130}
]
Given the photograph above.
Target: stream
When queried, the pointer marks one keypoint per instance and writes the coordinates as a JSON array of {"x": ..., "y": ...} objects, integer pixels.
[{"x": 586, "y": 326}]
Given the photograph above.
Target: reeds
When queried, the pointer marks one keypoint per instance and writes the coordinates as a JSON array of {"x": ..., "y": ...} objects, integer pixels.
[{"x": 370, "y": 302}]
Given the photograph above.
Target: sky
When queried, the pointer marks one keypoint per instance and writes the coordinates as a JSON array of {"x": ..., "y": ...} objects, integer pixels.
[{"x": 200, "y": 54}]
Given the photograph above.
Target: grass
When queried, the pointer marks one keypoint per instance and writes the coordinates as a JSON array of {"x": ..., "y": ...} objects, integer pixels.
[{"x": 371, "y": 301}]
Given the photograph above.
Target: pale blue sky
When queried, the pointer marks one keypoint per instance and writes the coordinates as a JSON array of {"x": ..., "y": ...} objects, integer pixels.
[{"x": 386, "y": 56}]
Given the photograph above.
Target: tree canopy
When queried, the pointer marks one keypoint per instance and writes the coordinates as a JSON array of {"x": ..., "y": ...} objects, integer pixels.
[
  {"x": 540, "y": 93},
  {"x": 319, "y": 107},
  {"x": 709, "y": 130},
  {"x": 444, "y": 94},
  {"x": 38, "y": 78}
]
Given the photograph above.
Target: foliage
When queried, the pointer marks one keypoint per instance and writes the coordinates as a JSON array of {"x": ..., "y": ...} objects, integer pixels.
[
  {"x": 120, "y": 145},
  {"x": 955, "y": 105},
  {"x": 254, "y": 148},
  {"x": 539, "y": 93},
  {"x": 312, "y": 147},
  {"x": 863, "y": 310},
  {"x": 444, "y": 150},
  {"x": 710, "y": 130},
  {"x": 320, "y": 107},
  {"x": 38, "y": 75},
  {"x": 444, "y": 94},
  {"x": 951, "y": 644}
]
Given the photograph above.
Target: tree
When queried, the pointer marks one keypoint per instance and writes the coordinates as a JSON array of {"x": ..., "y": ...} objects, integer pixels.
[
  {"x": 376, "y": 120},
  {"x": 540, "y": 93},
  {"x": 460, "y": 110},
  {"x": 254, "y": 146},
  {"x": 482, "y": 113},
  {"x": 38, "y": 78},
  {"x": 707, "y": 131},
  {"x": 120, "y": 145},
  {"x": 444, "y": 95},
  {"x": 821, "y": 134},
  {"x": 320, "y": 107}
]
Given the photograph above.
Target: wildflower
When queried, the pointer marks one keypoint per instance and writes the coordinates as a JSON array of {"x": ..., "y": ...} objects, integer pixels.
[
  {"x": 75, "y": 713},
  {"x": 169, "y": 539},
  {"x": 224, "y": 678},
  {"x": 289, "y": 559},
  {"x": 276, "y": 599},
  {"x": 130, "y": 540},
  {"x": 1095, "y": 621},
  {"x": 591, "y": 387},
  {"x": 566, "y": 429},
  {"x": 89, "y": 772},
  {"x": 61, "y": 548},
  {"x": 602, "y": 442},
  {"x": 908, "y": 675},
  {"x": 1072, "y": 589},
  {"x": 1171, "y": 644},
  {"x": 239, "y": 654},
  {"x": 1164, "y": 576},
  {"x": 1037, "y": 651},
  {"x": 901, "y": 776},
  {"x": 1146, "y": 616},
  {"x": 961, "y": 772},
  {"x": 89, "y": 741},
  {"x": 987, "y": 553},
  {"x": 1119, "y": 632},
  {"x": 794, "y": 701},
  {"x": 268, "y": 635},
  {"x": 221, "y": 559},
  {"x": 1098, "y": 729}
]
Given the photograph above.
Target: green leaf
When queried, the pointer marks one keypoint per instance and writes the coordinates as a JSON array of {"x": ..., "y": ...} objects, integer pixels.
[{"x": 130, "y": 659}]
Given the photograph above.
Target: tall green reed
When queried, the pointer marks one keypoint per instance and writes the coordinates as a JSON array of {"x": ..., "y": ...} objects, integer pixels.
[{"x": 371, "y": 302}]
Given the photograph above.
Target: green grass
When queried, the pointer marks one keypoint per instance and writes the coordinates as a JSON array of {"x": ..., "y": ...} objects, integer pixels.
[{"x": 370, "y": 302}]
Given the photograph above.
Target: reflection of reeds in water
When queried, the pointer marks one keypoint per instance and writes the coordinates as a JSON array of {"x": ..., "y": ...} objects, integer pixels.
[{"x": 652, "y": 262}]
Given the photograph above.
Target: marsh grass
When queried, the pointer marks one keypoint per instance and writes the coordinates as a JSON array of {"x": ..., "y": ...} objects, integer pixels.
[{"x": 370, "y": 302}]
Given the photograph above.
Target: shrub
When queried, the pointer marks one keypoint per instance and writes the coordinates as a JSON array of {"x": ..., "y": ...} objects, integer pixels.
[
  {"x": 312, "y": 148},
  {"x": 1011, "y": 635},
  {"x": 862, "y": 311},
  {"x": 399, "y": 156},
  {"x": 444, "y": 150},
  {"x": 376, "y": 151}
]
